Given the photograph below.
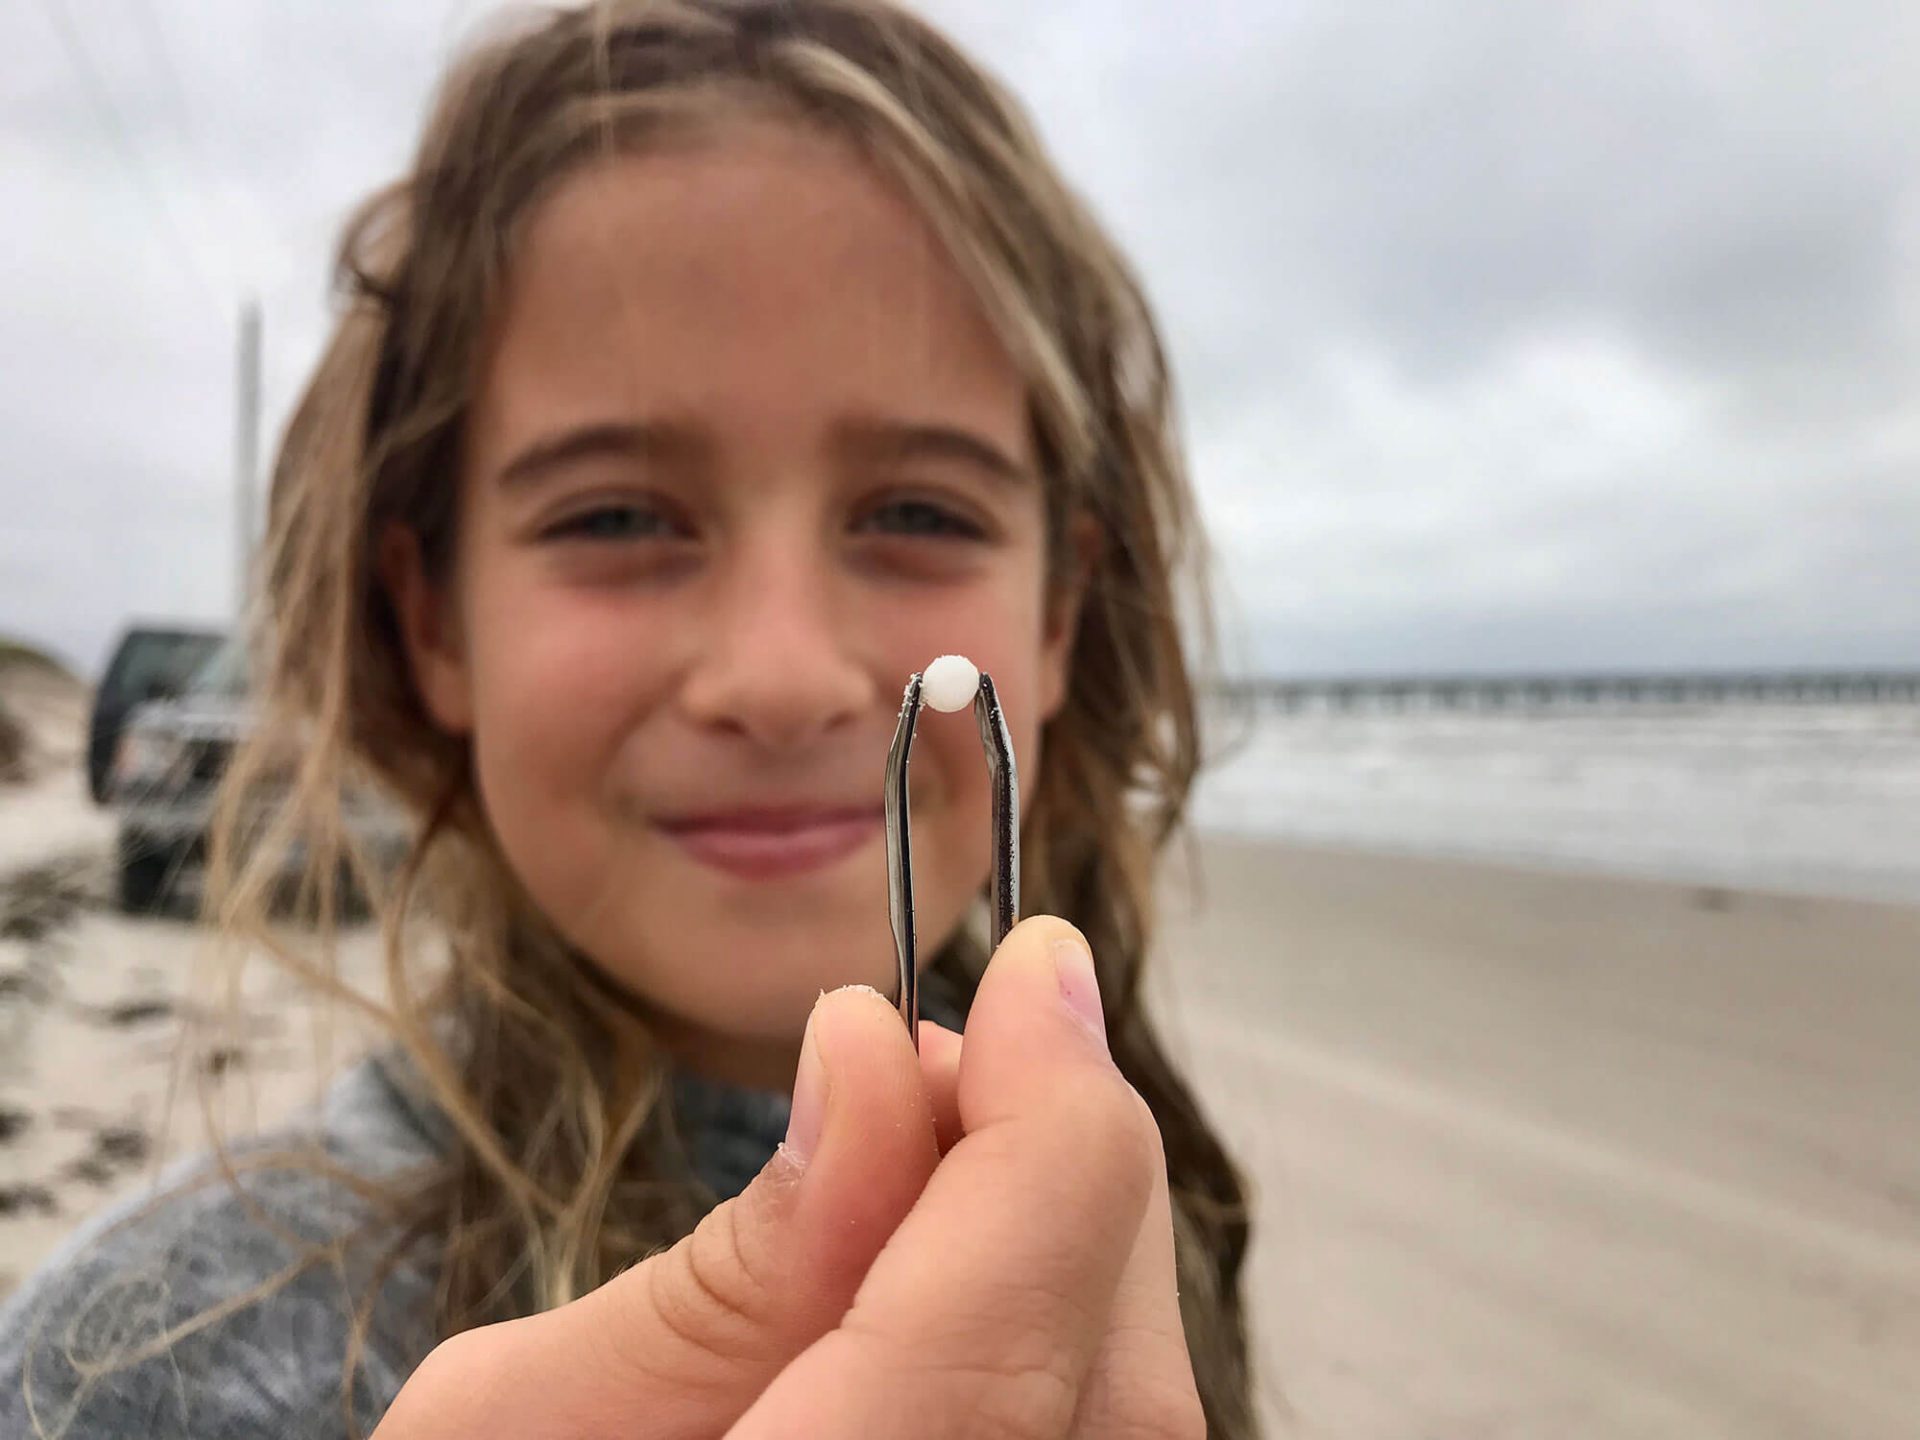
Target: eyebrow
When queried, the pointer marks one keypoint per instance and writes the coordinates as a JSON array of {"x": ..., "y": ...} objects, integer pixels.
[
  {"x": 892, "y": 440},
  {"x": 865, "y": 439},
  {"x": 615, "y": 438}
]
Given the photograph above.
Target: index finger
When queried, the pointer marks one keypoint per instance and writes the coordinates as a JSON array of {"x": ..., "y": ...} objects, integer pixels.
[
  {"x": 984, "y": 1311},
  {"x": 940, "y": 1067}
]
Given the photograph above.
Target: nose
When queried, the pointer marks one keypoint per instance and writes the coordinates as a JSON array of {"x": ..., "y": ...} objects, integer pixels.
[{"x": 778, "y": 664}]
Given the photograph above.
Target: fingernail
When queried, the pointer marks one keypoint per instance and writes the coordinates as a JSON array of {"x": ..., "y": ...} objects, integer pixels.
[
  {"x": 809, "y": 1113},
  {"x": 1073, "y": 965}
]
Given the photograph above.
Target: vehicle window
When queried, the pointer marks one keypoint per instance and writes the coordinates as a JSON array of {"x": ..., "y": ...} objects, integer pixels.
[
  {"x": 157, "y": 663},
  {"x": 224, "y": 672}
]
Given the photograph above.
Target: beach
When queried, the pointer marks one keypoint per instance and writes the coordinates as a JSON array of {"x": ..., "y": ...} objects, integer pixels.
[
  {"x": 1534, "y": 1153},
  {"x": 112, "y": 1029},
  {"x": 1549, "y": 1154}
]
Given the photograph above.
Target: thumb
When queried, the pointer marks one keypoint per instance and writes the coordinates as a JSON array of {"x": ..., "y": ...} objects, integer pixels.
[
  {"x": 996, "y": 1294},
  {"x": 715, "y": 1318},
  {"x": 684, "y": 1342}
]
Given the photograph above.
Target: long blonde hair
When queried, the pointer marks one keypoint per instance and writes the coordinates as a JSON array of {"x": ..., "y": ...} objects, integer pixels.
[{"x": 547, "y": 1192}]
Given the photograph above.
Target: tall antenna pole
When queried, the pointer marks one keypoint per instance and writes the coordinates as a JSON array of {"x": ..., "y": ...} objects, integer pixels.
[{"x": 246, "y": 454}]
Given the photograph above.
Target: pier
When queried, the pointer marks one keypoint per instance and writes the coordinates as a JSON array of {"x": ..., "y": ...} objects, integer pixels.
[{"x": 1589, "y": 690}]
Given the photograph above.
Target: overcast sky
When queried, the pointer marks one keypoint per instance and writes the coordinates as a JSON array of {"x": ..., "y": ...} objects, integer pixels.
[{"x": 1551, "y": 335}]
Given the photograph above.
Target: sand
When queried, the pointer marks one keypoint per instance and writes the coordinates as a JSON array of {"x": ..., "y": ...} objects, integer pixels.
[
  {"x": 1547, "y": 1155},
  {"x": 101, "y": 1040},
  {"x": 1535, "y": 1155},
  {"x": 46, "y": 817}
]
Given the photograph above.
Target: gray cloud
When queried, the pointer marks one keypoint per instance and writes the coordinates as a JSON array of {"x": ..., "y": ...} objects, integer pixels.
[{"x": 1509, "y": 335}]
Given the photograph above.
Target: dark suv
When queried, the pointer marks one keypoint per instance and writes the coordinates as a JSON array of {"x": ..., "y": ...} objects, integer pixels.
[
  {"x": 151, "y": 662},
  {"x": 166, "y": 770}
]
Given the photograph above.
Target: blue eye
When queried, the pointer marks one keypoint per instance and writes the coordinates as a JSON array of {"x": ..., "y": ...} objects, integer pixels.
[
  {"x": 923, "y": 518},
  {"x": 613, "y": 522}
]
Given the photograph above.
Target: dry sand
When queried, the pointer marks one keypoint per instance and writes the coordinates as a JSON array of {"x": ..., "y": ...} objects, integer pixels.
[
  {"x": 47, "y": 817},
  {"x": 100, "y": 1049},
  {"x": 1543, "y": 1155},
  {"x": 1535, "y": 1155}
]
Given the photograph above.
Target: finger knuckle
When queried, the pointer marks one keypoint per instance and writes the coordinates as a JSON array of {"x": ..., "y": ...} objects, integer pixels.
[
  {"x": 1143, "y": 1387},
  {"x": 1019, "y": 1398},
  {"x": 1161, "y": 1410},
  {"x": 445, "y": 1387},
  {"x": 1150, "y": 1128},
  {"x": 469, "y": 1352},
  {"x": 1023, "y": 1404},
  {"x": 992, "y": 1377},
  {"x": 1114, "y": 1130},
  {"x": 713, "y": 1299}
]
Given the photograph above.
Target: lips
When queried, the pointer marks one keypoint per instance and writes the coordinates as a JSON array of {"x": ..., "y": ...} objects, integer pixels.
[{"x": 768, "y": 844}]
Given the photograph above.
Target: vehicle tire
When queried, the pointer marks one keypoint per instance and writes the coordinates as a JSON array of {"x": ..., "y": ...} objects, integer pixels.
[{"x": 146, "y": 874}]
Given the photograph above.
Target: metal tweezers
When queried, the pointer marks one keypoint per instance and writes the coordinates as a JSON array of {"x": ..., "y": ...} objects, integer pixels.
[{"x": 1003, "y": 895}]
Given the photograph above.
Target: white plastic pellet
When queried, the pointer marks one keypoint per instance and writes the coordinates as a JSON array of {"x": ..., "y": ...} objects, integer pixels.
[{"x": 949, "y": 682}]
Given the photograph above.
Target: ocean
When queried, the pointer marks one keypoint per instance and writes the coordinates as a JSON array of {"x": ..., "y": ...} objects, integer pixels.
[{"x": 1817, "y": 799}]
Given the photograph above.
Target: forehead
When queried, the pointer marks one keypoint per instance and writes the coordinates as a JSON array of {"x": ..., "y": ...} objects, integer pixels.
[{"x": 759, "y": 273}]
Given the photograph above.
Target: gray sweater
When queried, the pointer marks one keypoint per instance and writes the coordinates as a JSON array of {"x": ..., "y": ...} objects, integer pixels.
[{"x": 75, "y": 1339}]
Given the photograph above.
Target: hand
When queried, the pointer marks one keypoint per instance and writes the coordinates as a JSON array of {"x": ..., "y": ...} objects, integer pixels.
[{"x": 972, "y": 1241}]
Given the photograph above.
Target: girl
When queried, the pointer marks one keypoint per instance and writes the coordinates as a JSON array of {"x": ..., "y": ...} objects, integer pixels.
[{"x": 719, "y": 364}]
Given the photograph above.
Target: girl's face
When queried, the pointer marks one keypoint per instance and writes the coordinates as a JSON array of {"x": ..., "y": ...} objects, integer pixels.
[{"x": 744, "y": 455}]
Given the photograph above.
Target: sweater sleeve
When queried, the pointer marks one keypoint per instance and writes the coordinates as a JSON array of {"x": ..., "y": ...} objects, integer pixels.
[{"x": 213, "y": 1312}]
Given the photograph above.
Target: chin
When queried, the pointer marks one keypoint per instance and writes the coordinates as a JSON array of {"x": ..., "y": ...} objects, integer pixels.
[{"x": 759, "y": 978}]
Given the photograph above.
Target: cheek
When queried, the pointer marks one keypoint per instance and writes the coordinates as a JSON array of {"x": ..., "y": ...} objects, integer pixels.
[
  {"x": 549, "y": 665},
  {"x": 557, "y": 682}
]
